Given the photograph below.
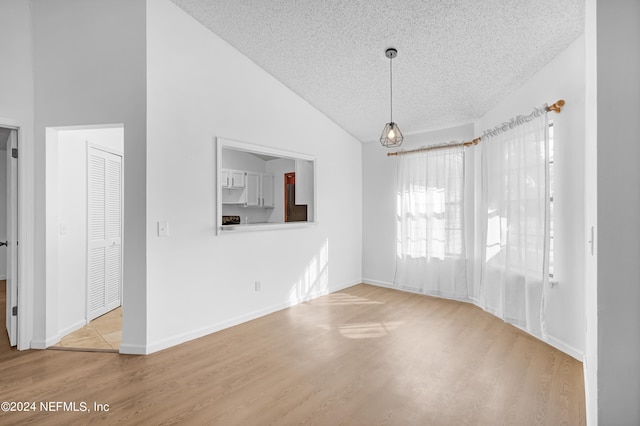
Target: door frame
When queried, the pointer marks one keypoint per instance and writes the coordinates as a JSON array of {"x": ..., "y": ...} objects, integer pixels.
[
  {"x": 12, "y": 237},
  {"x": 287, "y": 177},
  {"x": 25, "y": 232},
  {"x": 51, "y": 332}
]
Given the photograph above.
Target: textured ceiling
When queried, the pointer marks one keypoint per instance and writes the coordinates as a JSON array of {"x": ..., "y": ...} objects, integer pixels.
[{"x": 456, "y": 59}]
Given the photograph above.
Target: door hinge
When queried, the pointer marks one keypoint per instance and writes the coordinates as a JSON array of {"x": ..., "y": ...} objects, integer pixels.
[
  {"x": 14, "y": 311},
  {"x": 14, "y": 152}
]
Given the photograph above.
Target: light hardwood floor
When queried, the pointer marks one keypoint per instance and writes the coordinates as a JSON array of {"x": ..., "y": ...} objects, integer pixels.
[
  {"x": 361, "y": 356},
  {"x": 102, "y": 334}
]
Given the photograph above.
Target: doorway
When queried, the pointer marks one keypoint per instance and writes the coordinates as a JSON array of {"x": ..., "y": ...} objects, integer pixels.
[
  {"x": 292, "y": 212},
  {"x": 9, "y": 228},
  {"x": 84, "y": 235}
]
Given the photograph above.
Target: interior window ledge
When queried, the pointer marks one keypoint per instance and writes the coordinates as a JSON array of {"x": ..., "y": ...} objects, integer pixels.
[{"x": 252, "y": 227}]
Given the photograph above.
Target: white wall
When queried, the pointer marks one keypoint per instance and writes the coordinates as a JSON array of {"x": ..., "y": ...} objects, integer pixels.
[
  {"x": 90, "y": 68},
  {"x": 618, "y": 204},
  {"x": 16, "y": 84},
  {"x": 379, "y": 201},
  {"x": 16, "y": 109},
  {"x": 199, "y": 88},
  {"x": 239, "y": 160},
  {"x": 562, "y": 78},
  {"x": 71, "y": 232}
]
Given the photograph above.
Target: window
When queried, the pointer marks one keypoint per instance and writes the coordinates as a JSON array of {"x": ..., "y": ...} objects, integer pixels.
[
  {"x": 431, "y": 255},
  {"x": 515, "y": 169},
  {"x": 430, "y": 203}
]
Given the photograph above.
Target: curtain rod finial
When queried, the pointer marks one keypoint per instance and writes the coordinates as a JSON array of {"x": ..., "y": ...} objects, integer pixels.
[{"x": 557, "y": 107}]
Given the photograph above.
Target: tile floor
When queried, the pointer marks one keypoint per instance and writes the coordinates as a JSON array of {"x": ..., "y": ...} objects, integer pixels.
[{"x": 103, "y": 333}]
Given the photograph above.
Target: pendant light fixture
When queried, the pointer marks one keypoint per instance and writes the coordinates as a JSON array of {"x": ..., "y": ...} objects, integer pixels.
[{"x": 391, "y": 135}]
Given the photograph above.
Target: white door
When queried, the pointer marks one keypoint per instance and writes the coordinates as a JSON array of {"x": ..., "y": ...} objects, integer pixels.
[
  {"x": 12, "y": 237},
  {"x": 104, "y": 232}
]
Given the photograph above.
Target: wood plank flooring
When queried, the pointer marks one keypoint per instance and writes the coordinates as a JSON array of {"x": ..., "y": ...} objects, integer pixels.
[
  {"x": 361, "y": 356},
  {"x": 101, "y": 334}
]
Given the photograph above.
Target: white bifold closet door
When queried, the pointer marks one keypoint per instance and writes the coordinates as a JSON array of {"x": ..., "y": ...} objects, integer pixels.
[{"x": 104, "y": 232}]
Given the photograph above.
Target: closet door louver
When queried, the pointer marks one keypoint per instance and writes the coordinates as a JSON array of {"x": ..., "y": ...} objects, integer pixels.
[{"x": 105, "y": 228}]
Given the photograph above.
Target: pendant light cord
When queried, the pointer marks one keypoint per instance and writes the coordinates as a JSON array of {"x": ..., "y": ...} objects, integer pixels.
[{"x": 391, "y": 87}]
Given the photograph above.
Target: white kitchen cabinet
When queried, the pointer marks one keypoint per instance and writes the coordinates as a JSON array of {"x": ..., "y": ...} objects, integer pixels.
[
  {"x": 232, "y": 183},
  {"x": 266, "y": 189},
  {"x": 259, "y": 190},
  {"x": 232, "y": 179},
  {"x": 253, "y": 190}
]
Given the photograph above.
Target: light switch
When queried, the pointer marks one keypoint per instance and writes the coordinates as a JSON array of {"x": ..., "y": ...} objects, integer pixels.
[
  {"x": 163, "y": 229},
  {"x": 63, "y": 228}
]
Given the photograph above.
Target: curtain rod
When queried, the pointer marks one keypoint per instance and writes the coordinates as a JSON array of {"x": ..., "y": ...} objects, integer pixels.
[{"x": 556, "y": 107}]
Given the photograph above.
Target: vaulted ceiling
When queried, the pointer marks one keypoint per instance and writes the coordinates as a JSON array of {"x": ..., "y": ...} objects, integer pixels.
[{"x": 456, "y": 58}]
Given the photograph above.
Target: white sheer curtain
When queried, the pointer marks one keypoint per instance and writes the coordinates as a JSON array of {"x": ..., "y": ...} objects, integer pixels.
[
  {"x": 516, "y": 228},
  {"x": 431, "y": 256}
]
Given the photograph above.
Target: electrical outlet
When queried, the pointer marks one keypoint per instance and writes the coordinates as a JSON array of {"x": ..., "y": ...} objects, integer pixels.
[{"x": 257, "y": 286}]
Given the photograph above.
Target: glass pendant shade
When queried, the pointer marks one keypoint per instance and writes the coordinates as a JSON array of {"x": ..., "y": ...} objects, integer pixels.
[{"x": 391, "y": 135}]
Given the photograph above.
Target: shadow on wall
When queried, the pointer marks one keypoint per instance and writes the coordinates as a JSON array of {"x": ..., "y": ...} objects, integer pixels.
[{"x": 314, "y": 280}]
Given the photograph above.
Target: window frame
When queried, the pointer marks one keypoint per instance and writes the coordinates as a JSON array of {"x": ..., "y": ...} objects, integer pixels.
[{"x": 230, "y": 144}]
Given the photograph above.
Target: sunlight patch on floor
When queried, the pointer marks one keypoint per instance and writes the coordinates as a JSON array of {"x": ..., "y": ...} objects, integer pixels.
[
  {"x": 345, "y": 299},
  {"x": 367, "y": 330}
]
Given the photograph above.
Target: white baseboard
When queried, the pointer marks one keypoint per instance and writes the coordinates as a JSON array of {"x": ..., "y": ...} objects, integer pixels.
[
  {"x": 394, "y": 287},
  {"x": 195, "y": 334},
  {"x": 133, "y": 349},
  {"x": 378, "y": 283},
  {"x": 344, "y": 286},
  {"x": 38, "y": 344},
  {"x": 73, "y": 327},
  {"x": 563, "y": 347},
  {"x": 44, "y": 344}
]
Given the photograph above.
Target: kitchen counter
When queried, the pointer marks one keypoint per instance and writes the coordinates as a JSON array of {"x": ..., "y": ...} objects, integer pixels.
[{"x": 251, "y": 227}]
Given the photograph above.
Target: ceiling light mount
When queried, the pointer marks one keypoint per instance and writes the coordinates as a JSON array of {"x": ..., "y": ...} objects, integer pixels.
[
  {"x": 391, "y": 135},
  {"x": 391, "y": 53}
]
